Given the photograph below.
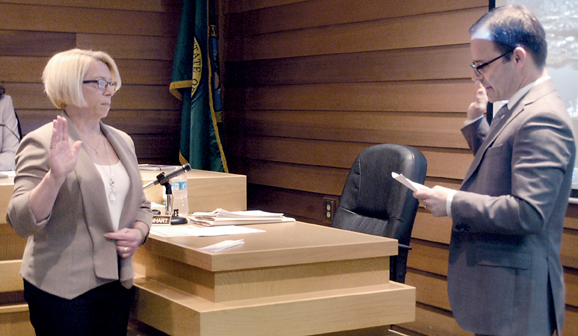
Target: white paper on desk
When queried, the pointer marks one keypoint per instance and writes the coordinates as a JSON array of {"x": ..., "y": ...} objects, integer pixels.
[
  {"x": 190, "y": 230},
  {"x": 222, "y": 245},
  {"x": 408, "y": 183},
  {"x": 7, "y": 173},
  {"x": 239, "y": 214}
]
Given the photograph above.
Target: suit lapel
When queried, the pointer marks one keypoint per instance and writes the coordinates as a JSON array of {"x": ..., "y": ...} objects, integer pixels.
[
  {"x": 496, "y": 128},
  {"x": 120, "y": 147},
  {"x": 534, "y": 94},
  {"x": 96, "y": 212},
  {"x": 90, "y": 184}
]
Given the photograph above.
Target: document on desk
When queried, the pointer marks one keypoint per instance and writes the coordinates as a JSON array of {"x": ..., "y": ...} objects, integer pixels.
[
  {"x": 7, "y": 173},
  {"x": 190, "y": 230},
  {"x": 222, "y": 245},
  {"x": 408, "y": 183},
  {"x": 223, "y": 217},
  {"x": 146, "y": 166}
]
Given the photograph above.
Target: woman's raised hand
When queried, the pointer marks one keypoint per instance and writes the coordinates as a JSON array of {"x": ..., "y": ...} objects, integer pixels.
[{"x": 63, "y": 158}]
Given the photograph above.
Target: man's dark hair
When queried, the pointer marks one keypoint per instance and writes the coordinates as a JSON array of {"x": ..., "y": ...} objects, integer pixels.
[
  {"x": 515, "y": 26},
  {"x": 2, "y": 90}
]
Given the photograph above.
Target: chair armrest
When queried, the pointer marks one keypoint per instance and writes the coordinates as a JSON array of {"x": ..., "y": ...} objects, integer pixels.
[{"x": 404, "y": 247}]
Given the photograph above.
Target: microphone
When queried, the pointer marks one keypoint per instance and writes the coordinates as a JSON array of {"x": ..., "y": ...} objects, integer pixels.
[
  {"x": 11, "y": 131},
  {"x": 162, "y": 178}
]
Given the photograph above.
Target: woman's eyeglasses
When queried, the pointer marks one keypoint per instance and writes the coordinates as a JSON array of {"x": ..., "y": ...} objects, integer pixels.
[{"x": 101, "y": 83}]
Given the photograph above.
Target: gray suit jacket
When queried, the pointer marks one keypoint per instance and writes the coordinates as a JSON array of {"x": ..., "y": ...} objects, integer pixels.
[
  {"x": 67, "y": 254},
  {"x": 505, "y": 276}
]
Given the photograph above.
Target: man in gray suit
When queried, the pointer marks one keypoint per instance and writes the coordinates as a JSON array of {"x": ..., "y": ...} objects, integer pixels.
[{"x": 505, "y": 276}]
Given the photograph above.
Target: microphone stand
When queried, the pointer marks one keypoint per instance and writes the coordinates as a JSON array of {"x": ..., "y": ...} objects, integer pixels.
[{"x": 175, "y": 219}]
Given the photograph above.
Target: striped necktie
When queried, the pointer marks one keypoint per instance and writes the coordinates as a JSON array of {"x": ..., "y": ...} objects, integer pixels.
[{"x": 499, "y": 115}]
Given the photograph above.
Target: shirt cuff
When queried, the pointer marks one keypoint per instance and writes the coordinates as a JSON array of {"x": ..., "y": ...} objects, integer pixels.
[
  {"x": 471, "y": 121},
  {"x": 449, "y": 203}
]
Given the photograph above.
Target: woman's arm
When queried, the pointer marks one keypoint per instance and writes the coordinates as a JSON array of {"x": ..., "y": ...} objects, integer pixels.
[{"x": 63, "y": 159}]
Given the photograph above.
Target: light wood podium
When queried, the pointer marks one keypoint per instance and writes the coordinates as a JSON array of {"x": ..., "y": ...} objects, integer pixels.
[
  {"x": 207, "y": 191},
  {"x": 292, "y": 279}
]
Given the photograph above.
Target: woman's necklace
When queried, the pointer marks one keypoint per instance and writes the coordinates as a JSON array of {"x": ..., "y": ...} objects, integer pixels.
[
  {"x": 112, "y": 194},
  {"x": 97, "y": 145}
]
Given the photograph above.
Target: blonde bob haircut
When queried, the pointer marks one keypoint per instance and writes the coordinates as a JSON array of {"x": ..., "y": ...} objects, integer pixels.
[{"x": 65, "y": 71}]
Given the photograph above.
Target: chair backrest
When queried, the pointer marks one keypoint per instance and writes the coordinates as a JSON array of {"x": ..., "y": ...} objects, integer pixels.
[{"x": 373, "y": 202}]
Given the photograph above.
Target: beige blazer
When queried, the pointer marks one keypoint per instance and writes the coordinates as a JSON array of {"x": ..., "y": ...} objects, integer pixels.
[{"x": 67, "y": 253}]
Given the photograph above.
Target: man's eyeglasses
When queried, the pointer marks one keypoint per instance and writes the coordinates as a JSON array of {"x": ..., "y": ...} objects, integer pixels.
[
  {"x": 101, "y": 83},
  {"x": 478, "y": 68}
]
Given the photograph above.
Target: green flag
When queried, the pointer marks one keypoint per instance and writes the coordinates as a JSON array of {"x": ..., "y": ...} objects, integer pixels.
[{"x": 195, "y": 80}]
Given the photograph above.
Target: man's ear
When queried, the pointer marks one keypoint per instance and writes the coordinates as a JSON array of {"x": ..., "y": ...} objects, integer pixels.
[{"x": 520, "y": 56}]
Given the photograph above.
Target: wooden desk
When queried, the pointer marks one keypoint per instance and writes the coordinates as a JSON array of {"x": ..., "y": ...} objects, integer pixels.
[
  {"x": 293, "y": 279},
  {"x": 207, "y": 191}
]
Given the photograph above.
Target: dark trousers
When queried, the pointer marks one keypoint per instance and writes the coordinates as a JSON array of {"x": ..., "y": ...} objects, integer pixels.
[{"x": 101, "y": 311}]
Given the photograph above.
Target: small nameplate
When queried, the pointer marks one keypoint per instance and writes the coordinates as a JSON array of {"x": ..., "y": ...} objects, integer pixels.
[{"x": 161, "y": 220}]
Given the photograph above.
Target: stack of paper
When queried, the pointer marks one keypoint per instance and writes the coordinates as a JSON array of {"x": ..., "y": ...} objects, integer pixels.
[
  {"x": 224, "y": 217},
  {"x": 408, "y": 183}
]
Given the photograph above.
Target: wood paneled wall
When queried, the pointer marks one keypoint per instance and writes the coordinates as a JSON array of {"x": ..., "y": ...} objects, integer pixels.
[
  {"x": 139, "y": 35},
  {"x": 309, "y": 84}
]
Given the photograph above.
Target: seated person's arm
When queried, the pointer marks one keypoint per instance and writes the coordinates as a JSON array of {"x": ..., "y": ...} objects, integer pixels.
[{"x": 9, "y": 134}]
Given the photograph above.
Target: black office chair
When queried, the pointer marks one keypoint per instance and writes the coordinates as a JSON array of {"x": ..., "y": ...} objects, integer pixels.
[{"x": 373, "y": 202}]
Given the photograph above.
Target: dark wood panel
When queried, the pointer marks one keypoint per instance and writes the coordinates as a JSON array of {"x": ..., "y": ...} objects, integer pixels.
[
  {"x": 431, "y": 289},
  {"x": 141, "y": 5},
  {"x": 145, "y": 97},
  {"x": 571, "y": 282},
  {"x": 571, "y": 220},
  {"x": 420, "y": 96},
  {"x": 339, "y": 154},
  {"x": 432, "y": 321},
  {"x": 12, "y": 244},
  {"x": 298, "y": 151},
  {"x": 368, "y": 127},
  {"x": 32, "y": 119},
  {"x": 246, "y": 5},
  {"x": 373, "y": 66},
  {"x": 305, "y": 14},
  {"x": 571, "y": 321},
  {"x": 130, "y": 46},
  {"x": 145, "y": 121},
  {"x": 129, "y": 97},
  {"x": 34, "y": 43},
  {"x": 157, "y": 148},
  {"x": 22, "y": 69},
  {"x": 29, "y": 70},
  {"x": 428, "y": 257},
  {"x": 159, "y": 145},
  {"x": 130, "y": 121},
  {"x": 569, "y": 248},
  {"x": 300, "y": 205},
  {"x": 433, "y": 229},
  {"x": 399, "y": 33},
  {"x": 310, "y": 72},
  {"x": 86, "y": 20},
  {"x": 145, "y": 72},
  {"x": 321, "y": 180}
]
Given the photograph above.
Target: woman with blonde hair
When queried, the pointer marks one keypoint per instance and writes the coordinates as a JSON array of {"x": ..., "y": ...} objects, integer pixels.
[{"x": 78, "y": 199}]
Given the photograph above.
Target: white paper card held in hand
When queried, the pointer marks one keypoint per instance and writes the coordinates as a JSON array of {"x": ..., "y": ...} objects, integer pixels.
[{"x": 408, "y": 183}]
